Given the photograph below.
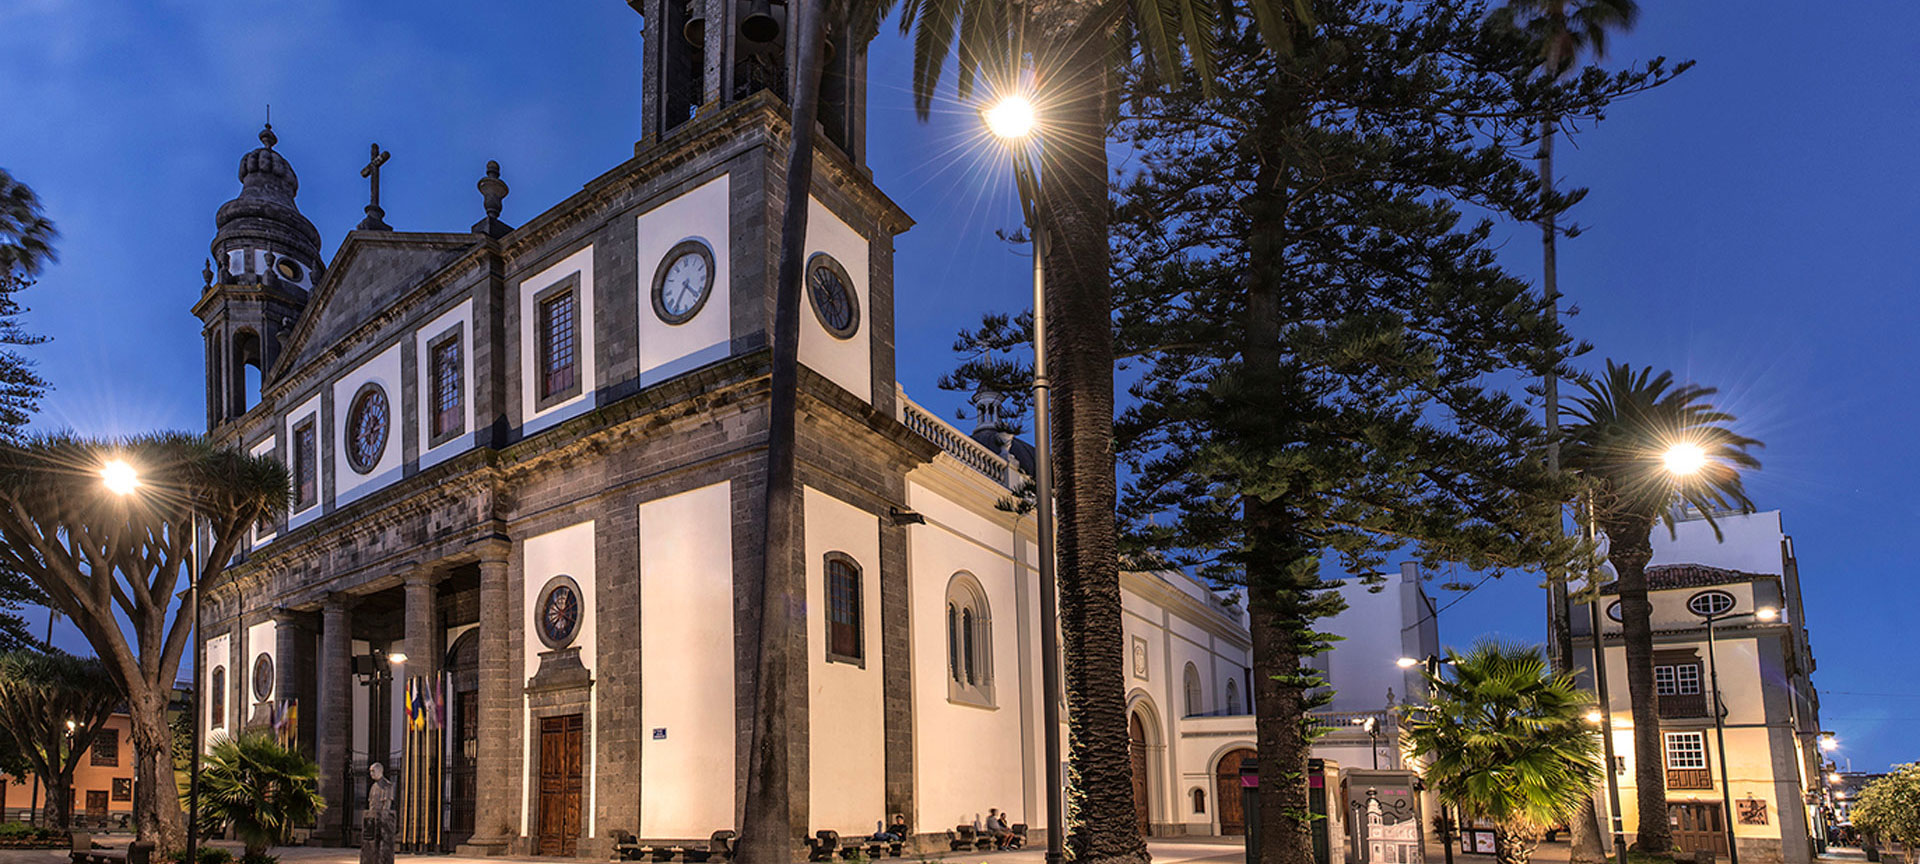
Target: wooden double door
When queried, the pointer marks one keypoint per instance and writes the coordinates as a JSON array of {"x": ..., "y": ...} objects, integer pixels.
[
  {"x": 1698, "y": 825},
  {"x": 1227, "y": 801},
  {"x": 1137, "y": 751},
  {"x": 559, "y": 785}
]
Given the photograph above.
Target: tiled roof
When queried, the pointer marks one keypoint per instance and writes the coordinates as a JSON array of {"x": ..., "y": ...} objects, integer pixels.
[{"x": 1662, "y": 576}]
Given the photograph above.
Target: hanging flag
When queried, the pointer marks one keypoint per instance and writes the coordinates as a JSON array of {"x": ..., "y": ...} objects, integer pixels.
[{"x": 437, "y": 705}]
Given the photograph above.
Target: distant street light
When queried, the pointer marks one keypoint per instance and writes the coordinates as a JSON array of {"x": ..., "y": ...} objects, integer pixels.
[{"x": 1684, "y": 459}]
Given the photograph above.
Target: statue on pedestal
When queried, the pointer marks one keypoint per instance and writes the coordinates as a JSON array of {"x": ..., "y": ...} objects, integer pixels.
[{"x": 377, "y": 825}]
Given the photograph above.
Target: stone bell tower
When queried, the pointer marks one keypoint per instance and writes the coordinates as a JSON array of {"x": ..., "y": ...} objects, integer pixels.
[
  {"x": 701, "y": 55},
  {"x": 266, "y": 260}
]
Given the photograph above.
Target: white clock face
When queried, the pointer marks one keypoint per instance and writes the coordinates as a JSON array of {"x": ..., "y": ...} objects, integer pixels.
[{"x": 687, "y": 281}]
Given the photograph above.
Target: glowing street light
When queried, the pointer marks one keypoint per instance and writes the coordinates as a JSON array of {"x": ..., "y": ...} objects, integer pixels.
[
  {"x": 1766, "y": 613},
  {"x": 1595, "y": 717},
  {"x": 120, "y": 477},
  {"x": 397, "y": 658},
  {"x": 1684, "y": 459},
  {"x": 1829, "y": 743},
  {"x": 1011, "y": 119},
  {"x": 1406, "y": 662}
]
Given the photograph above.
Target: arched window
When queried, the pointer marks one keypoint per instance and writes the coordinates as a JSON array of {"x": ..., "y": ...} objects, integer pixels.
[
  {"x": 969, "y": 642},
  {"x": 843, "y": 610},
  {"x": 1194, "y": 705},
  {"x": 218, "y": 704},
  {"x": 1199, "y": 800},
  {"x": 1233, "y": 696}
]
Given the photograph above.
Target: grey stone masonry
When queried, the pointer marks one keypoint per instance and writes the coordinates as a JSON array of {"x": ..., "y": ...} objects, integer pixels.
[
  {"x": 334, "y": 713},
  {"x": 499, "y": 705}
]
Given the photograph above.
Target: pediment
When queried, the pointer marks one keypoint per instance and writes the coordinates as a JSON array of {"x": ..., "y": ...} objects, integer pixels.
[{"x": 371, "y": 271}]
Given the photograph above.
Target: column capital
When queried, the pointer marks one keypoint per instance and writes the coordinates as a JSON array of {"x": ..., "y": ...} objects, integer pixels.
[
  {"x": 337, "y": 603},
  {"x": 493, "y": 548},
  {"x": 422, "y": 576}
]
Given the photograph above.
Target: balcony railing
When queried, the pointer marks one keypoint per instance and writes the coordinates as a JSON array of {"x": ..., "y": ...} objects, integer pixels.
[
  {"x": 1689, "y": 778},
  {"x": 1682, "y": 706},
  {"x": 958, "y": 444}
]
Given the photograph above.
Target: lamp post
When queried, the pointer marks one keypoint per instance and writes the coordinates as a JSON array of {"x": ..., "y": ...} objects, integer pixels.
[
  {"x": 122, "y": 479},
  {"x": 1764, "y": 613},
  {"x": 1616, "y": 817},
  {"x": 1013, "y": 121}
]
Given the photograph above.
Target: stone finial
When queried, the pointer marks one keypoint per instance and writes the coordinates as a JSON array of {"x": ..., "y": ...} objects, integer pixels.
[
  {"x": 267, "y": 138},
  {"x": 206, "y": 272},
  {"x": 492, "y": 191}
]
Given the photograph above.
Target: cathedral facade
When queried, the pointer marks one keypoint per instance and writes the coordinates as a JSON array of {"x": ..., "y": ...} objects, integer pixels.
[{"x": 527, "y": 468}]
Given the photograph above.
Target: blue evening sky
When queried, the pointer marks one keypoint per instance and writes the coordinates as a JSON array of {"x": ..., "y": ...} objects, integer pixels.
[{"x": 1744, "y": 229}]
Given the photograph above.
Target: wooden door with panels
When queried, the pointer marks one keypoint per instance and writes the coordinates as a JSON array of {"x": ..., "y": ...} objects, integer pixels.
[
  {"x": 560, "y": 740},
  {"x": 1227, "y": 799}
]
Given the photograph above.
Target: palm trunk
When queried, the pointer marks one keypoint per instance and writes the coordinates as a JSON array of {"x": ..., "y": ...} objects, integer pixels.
[
  {"x": 1585, "y": 844},
  {"x": 1514, "y": 845},
  {"x": 156, "y": 803},
  {"x": 1629, "y": 551},
  {"x": 1079, "y": 298},
  {"x": 769, "y": 831}
]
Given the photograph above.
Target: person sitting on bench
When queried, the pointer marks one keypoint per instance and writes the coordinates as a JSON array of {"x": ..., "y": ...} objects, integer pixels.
[{"x": 997, "y": 828}]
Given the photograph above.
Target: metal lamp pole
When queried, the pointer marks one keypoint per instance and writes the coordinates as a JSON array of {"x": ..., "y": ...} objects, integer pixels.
[
  {"x": 1720, "y": 730},
  {"x": 193, "y": 773},
  {"x": 1614, "y": 814},
  {"x": 1029, "y": 182}
]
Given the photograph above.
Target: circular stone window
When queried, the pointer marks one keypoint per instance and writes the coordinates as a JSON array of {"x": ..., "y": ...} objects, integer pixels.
[
  {"x": 288, "y": 269},
  {"x": 561, "y": 608},
  {"x": 683, "y": 282},
  {"x": 263, "y": 677},
  {"x": 1613, "y": 611},
  {"x": 831, "y": 291},
  {"x": 1710, "y": 604},
  {"x": 367, "y": 423}
]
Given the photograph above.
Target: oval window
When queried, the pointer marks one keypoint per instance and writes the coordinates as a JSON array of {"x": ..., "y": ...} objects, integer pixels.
[{"x": 1710, "y": 604}]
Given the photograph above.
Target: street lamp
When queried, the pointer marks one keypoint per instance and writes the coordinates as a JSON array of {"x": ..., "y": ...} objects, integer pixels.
[
  {"x": 1680, "y": 460},
  {"x": 1014, "y": 121},
  {"x": 1763, "y": 613},
  {"x": 122, "y": 479}
]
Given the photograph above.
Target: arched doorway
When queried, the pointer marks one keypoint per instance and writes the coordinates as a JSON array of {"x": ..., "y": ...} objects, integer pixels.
[
  {"x": 1226, "y": 799},
  {"x": 1137, "y": 749},
  {"x": 463, "y": 665}
]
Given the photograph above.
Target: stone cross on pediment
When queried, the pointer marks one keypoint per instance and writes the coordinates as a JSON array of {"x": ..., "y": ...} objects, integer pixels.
[{"x": 376, "y": 217}]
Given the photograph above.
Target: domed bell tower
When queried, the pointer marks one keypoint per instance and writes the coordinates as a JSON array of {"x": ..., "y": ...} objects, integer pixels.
[
  {"x": 266, "y": 260},
  {"x": 703, "y": 54}
]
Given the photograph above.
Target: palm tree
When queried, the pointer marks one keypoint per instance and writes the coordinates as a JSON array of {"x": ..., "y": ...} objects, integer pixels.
[
  {"x": 1508, "y": 742},
  {"x": 1073, "y": 48},
  {"x": 1617, "y": 438},
  {"x": 103, "y": 559},
  {"x": 26, "y": 245},
  {"x": 260, "y": 788},
  {"x": 40, "y": 695}
]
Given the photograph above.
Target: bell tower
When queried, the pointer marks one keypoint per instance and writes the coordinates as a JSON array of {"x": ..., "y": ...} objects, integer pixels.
[
  {"x": 265, "y": 261},
  {"x": 701, "y": 55}
]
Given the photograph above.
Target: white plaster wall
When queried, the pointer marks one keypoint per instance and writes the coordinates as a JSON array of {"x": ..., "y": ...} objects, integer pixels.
[
  {"x": 260, "y": 640},
  {"x": 219, "y": 654},
  {"x": 967, "y": 758},
  {"x": 264, "y": 448},
  {"x": 307, "y": 409},
  {"x": 383, "y": 370},
  {"x": 532, "y": 421},
  {"x": 567, "y": 551},
  {"x": 1361, "y": 665},
  {"x": 1670, "y": 610},
  {"x": 686, "y": 670},
  {"x": 1751, "y": 543},
  {"x": 703, "y": 214},
  {"x": 846, "y": 362},
  {"x": 459, "y": 317},
  {"x": 847, "y": 738}
]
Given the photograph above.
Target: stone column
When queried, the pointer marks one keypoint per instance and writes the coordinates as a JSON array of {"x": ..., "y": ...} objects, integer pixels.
[
  {"x": 289, "y": 650},
  {"x": 493, "y": 821},
  {"x": 423, "y": 625},
  {"x": 334, "y": 713}
]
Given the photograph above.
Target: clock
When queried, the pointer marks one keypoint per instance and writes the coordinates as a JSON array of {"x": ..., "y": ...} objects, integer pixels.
[
  {"x": 831, "y": 291},
  {"x": 683, "y": 282},
  {"x": 560, "y": 610},
  {"x": 263, "y": 676},
  {"x": 367, "y": 422}
]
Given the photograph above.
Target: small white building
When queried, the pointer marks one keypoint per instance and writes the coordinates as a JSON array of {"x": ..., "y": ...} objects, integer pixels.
[{"x": 1771, "y": 760}]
